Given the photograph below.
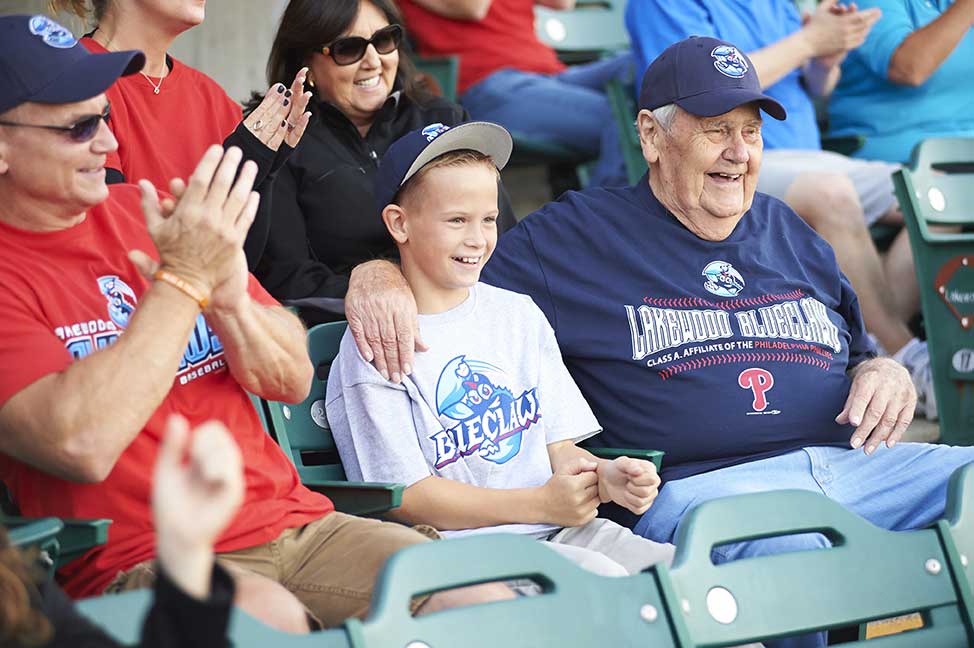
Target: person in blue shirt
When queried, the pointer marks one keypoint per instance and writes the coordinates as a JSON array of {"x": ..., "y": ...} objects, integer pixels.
[
  {"x": 702, "y": 318},
  {"x": 910, "y": 80},
  {"x": 798, "y": 58}
]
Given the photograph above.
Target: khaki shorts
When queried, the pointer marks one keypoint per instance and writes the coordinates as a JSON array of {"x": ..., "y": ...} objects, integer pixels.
[{"x": 330, "y": 565}]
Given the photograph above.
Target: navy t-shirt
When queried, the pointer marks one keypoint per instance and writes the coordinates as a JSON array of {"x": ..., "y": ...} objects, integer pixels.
[{"x": 715, "y": 352}]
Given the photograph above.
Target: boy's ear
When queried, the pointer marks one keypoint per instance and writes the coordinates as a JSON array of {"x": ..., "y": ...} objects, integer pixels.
[{"x": 394, "y": 216}]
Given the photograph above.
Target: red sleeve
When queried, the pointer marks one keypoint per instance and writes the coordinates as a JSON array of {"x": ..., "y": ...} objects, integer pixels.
[
  {"x": 258, "y": 294},
  {"x": 29, "y": 349}
]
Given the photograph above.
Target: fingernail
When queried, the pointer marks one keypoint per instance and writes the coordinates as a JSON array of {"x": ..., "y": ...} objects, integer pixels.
[
  {"x": 870, "y": 449},
  {"x": 407, "y": 368},
  {"x": 287, "y": 93},
  {"x": 286, "y": 102},
  {"x": 891, "y": 443},
  {"x": 283, "y": 123},
  {"x": 396, "y": 377},
  {"x": 280, "y": 87},
  {"x": 385, "y": 374},
  {"x": 856, "y": 442},
  {"x": 855, "y": 420}
]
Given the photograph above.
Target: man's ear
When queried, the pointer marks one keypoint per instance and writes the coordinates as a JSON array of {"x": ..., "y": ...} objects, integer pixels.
[
  {"x": 4, "y": 148},
  {"x": 649, "y": 131},
  {"x": 394, "y": 216}
]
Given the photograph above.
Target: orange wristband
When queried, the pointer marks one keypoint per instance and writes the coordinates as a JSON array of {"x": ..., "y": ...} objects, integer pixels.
[{"x": 183, "y": 285}]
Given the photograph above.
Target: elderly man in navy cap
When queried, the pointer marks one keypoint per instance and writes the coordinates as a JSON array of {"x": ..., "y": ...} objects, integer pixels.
[
  {"x": 702, "y": 318},
  {"x": 100, "y": 289}
]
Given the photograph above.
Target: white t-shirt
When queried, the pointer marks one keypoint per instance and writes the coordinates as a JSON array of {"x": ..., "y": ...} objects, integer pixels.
[{"x": 480, "y": 407}]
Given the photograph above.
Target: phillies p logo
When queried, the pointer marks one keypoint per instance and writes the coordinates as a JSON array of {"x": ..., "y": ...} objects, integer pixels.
[{"x": 760, "y": 382}]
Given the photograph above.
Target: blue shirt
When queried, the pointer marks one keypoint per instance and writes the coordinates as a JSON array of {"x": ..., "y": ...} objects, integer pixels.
[
  {"x": 751, "y": 25},
  {"x": 716, "y": 352},
  {"x": 894, "y": 118}
]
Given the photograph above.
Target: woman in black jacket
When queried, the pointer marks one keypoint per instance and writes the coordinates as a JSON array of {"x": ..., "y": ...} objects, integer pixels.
[
  {"x": 192, "y": 501},
  {"x": 325, "y": 220}
]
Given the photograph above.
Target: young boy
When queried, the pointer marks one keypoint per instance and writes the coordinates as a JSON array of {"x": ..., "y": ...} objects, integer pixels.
[{"x": 483, "y": 431}]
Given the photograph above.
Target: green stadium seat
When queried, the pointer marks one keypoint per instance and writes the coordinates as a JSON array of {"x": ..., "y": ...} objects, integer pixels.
[
  {"x": 577, "y": 608},
  {"x": 868, "y": 574},
  {"x": 304, "y": 435},
  {"x": 937, "y": 189},
  {"x": 958, "y": 527},
  {"x": 36, "y": 533},
  {"x": 122, "y": 615},
  {"x": 442, "y": 69},
  {"x": 590, "y": 31}
]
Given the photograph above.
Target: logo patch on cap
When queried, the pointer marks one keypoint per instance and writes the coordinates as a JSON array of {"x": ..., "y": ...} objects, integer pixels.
[
  {"x": 433, "y": 131},
  {"x": 51, "y": 33},
  {"x": 729, "y": 61}
]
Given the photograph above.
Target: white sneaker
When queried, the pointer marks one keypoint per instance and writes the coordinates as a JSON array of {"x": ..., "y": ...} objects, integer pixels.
[{"x": 916, "y": 358}]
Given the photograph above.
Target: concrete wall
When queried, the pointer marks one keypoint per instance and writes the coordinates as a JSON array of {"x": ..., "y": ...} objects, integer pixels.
[{"x": 231, "y": 46}]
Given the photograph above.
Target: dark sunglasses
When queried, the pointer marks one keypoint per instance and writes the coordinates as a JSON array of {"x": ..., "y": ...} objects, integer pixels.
[
  {"x": 81, "y": 131},
  {"x": 345, "y": 51}
]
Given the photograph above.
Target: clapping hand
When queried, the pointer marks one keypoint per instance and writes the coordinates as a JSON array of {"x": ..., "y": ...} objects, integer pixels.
[
  {"x": 630, "y": 483},
  {"x": 281, "y": 116}
]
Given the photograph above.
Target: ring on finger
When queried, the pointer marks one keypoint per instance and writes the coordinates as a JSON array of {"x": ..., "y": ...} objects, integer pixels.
[{"x": 258, "y": 124}]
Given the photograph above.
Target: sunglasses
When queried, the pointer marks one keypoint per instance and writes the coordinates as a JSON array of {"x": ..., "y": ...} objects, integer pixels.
[
  {"x": 81, "y": 131},
  {"x": 351, "y": 49}
]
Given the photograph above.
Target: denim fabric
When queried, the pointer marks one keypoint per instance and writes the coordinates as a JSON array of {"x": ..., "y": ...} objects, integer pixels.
[{"x": 569, "y": 109}]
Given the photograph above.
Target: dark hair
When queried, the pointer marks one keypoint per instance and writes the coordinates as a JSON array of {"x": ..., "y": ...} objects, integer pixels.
[
  {"x": 307, "y": 25},
  {"x": 20, "y": 623}
]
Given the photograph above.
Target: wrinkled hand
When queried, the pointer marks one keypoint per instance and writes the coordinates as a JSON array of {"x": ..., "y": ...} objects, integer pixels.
[
  {"x": 281, "y": 116},
  {"x": 630, "y": 483},
  {"x": 199, "y": 234},
  {"x": 381, "y": 314},
  {"x": 833, "y": 30},
  {"x": 880, "y": 404},
  {"x": 571, "y": 496}
]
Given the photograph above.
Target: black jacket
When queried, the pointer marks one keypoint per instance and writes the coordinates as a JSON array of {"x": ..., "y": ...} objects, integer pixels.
[{"x": 325, "y": 220}]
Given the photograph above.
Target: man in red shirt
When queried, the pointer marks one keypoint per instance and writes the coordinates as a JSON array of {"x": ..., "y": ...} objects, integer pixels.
[
  {"x": 82, "y": 405},
  {"x": 509, "y": 77}
]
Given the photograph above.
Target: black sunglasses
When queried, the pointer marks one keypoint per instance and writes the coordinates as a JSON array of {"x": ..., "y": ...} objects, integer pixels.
[
  {"x": 81, "y": 131},
  {"x": 351, "y": 49}
]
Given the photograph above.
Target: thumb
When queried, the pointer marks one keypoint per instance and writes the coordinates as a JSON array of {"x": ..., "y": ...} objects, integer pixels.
[
  {"x": 630, "y": 467},
  {"x": 174, "y": 439},
  {"x": 145, "y": 264}
]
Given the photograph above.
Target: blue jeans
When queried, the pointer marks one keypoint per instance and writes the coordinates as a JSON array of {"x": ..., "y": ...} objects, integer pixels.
[
  {"x": 897, "y": 489},
  {"x": 569, "y": 109}
]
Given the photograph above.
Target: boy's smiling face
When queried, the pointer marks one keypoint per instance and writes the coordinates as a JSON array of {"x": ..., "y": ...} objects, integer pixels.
[{"x": 446, "y": 229}]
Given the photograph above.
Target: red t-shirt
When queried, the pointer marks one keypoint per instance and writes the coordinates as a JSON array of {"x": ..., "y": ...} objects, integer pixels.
[
  {"x": 163, "y": 136},
  {"x": 505, "y": 38},
  {"x": 65, "y": 294}
]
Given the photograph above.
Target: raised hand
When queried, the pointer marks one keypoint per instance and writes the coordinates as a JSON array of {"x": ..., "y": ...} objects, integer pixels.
[
  {"x": 197, "y": 489},
  {"x": 631, "y": 483},
  {"x": 571, "y": 496},
  {"x": 199, "y": 235},
  {"x": 834, "y": 29},
  {"x": 281, "y": 116}
]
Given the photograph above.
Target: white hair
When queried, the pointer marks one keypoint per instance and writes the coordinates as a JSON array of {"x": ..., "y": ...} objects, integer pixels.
[{"x": 664, "y": 115}]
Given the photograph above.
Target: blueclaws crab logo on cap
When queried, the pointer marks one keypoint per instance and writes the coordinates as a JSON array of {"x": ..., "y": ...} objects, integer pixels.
[
  {"x": 490, "y": 419},
  {"x": 51, "y": 32},
  {"x": 729, "y": 61},
  {"x": 722, "y": 279},
  {"x": 121, "y": 299},
  {"x": 433, "y": 131}
]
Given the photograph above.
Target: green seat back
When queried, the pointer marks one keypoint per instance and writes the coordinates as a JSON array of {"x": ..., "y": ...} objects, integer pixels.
[
  {"x": 869, "y": 573},
  {"x": 122, "y": 615},
  {"x": 591, "y": 30},
  {"x": 444, "y": 69},
  {"x": 622, "y": 101},
  {"x": 959, "y": 523},
  {"x": 578, "y": 608},
  {"x": 937, "y": 188},
  {"x": 302, "y": 430}
]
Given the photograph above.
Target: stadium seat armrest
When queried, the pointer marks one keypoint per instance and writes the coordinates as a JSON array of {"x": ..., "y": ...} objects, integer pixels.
[
  {"x": 25, "y": 532},
  {"x": 656, "y": 456},
  {"x": 360, "y": 498},
  {"x": 81, "y": 536}
]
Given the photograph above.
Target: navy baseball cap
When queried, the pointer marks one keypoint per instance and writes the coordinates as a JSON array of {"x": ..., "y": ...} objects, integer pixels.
[
  {"x": 705, "y": 77},
  {"x": 42, "y": 61},
  {"x": 414, "y": 150}
]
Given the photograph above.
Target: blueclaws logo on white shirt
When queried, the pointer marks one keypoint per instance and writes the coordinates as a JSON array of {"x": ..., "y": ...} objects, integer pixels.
[
  {"x": 489, "y": 419},
  {"x": 722, "y": 279},
  {"x": 121, "y": 299},
  {"x": 729, "y": 61}
]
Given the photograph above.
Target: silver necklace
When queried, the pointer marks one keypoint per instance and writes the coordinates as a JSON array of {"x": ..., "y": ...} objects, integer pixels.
[{"x": 155, "y": 86}]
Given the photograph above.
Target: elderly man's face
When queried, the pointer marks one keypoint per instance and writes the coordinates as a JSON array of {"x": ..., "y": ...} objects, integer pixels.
[
  {"x": 44, "y": 170},
  {"x": 705, "y": 169}
]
